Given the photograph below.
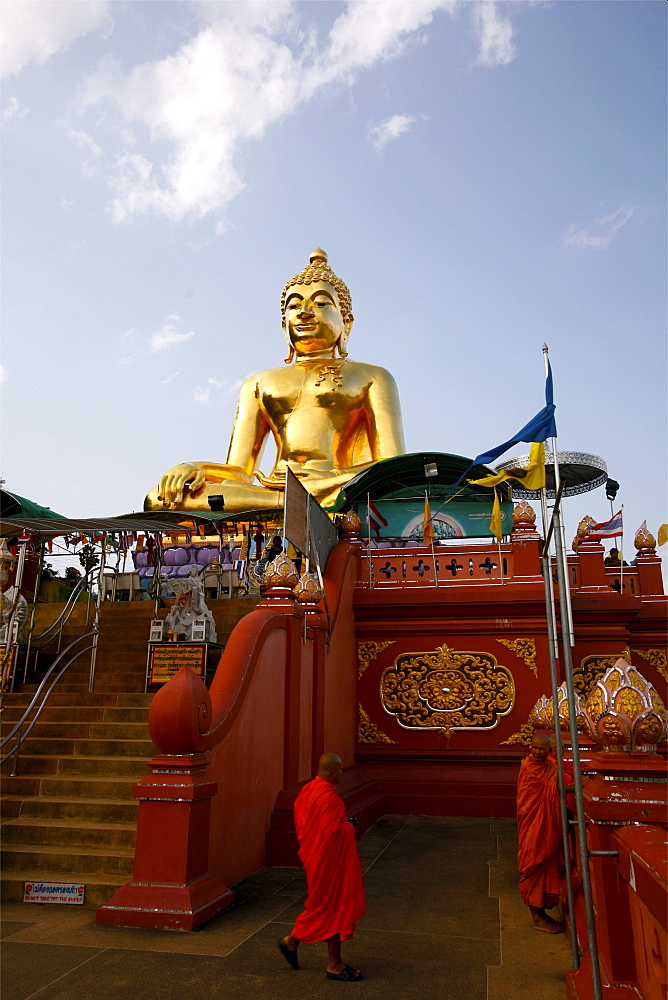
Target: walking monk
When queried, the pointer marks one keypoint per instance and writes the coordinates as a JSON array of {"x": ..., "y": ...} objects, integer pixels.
[
  {"x": 539, "y": 833},
  {"x": 328, "y": 851}
]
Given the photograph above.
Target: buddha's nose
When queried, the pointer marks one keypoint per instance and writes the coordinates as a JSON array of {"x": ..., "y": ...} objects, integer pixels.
[{"x": 306, "y": 310}]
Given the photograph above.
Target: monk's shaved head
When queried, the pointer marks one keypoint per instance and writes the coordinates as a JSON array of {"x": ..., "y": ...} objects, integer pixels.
[
  {"x": 328, "y": 762},
  {"x": 541, "y": 739}
]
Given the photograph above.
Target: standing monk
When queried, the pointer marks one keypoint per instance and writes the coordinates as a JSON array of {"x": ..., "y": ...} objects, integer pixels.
[
  {"x": 328, "y": 851},
  {"x": 539, "y": 833}
]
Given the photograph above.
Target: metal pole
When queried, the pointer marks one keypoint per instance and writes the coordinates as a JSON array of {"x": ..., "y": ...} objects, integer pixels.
[
  {"x": 553, "y": 653},
  {"x": 96, "y": 623},
  {"x": 577, "y": 773},
  {"x": 12, "y": 633}
]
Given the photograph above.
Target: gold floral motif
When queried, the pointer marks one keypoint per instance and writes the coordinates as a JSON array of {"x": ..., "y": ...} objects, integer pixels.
[
  {"x": 613, "y": 680},
  {"x": 649, "y": 731},
  {"x": 368, "y": 732},
  {"x": 281, "y": 572},
  {"x": 615, "y": 731},
  {"x": 644, "y": 540},
  {"x": 637, "y": 680},
  {"x": 629, "y": 701},
  {"x": 595, "y": 703},
  {"x": 368, "y": 651},
  {"x": 446, "y": 690},
  {"x": 409, "y": 690},
  {"x": 656, "y": 658},
  {"x": 525, "y": 649},
  {"x": 524, "y": 736},
  {"x": 657, "y": 702}
]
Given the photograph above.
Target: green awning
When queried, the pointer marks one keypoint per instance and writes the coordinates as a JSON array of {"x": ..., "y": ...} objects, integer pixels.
[
  {"x": 12, "y": 505},
  {"x": 410, "y": 476}
]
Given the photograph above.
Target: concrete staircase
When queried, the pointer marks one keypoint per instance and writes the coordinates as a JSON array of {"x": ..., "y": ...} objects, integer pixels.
[{"x": 70, "y": 814}]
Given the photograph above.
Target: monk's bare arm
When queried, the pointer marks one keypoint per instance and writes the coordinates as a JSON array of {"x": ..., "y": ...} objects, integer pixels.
[
  {"x": 249, "y": 430},
  {"x": 385, "y": 408}
]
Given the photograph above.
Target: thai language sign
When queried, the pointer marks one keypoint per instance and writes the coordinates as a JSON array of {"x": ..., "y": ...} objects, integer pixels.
[
  {"x": 54, "y": 892},
  {"x": 167, "y": 659}
]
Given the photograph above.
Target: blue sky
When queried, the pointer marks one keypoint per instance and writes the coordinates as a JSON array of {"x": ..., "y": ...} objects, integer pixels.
[{"x": 484, "y": 176}]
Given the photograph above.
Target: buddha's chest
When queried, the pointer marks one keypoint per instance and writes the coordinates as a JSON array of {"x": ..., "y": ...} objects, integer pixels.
[{"x": 326, "y": 386}]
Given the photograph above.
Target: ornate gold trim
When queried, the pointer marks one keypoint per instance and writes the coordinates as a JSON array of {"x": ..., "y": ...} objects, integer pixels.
[
  {"x": 368, "y": 651},
  {"x": 656, "y": 658},
  {"x": 524, "y": 736},
  {"x": 446, "y": 689},
  {"x": 525, "y": 649},
  {"x": 368, "y": 731}
]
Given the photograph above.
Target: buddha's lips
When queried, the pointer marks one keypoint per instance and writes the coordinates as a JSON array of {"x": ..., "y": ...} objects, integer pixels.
[{"x": 307, "y": 327}]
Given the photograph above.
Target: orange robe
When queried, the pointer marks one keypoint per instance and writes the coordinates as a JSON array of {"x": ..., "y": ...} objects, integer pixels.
[
  {"x": 328, "y": 851},
  {"x": 538, "y": 832}
]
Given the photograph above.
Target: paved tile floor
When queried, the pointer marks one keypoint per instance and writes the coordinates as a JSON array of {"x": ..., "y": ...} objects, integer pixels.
[{"x": 444, "y": 920}]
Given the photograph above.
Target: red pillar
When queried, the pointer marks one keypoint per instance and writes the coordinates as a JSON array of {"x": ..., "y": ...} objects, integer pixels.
[{"x": 171, "y": 888}]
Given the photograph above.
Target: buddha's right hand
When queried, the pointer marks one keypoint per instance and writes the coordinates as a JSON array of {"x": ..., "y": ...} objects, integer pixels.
[{"x": 173, "y": 483}]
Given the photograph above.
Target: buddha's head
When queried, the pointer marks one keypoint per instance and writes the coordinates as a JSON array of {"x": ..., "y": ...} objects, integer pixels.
[{"x": 316, "y": 310}]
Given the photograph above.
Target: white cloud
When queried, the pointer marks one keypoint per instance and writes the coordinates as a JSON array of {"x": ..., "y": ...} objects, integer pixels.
[
  {"x": 33, "y": 30},
  {"x": 495, "y": 34},
  {"x": 168, "y": 335},
  {"x": 178, "y": 122},
  {"x": 66, "y": 203},
  {"x": 169, "y": 378},
  {"x": 202, "y": 394},
  {"x": 3, "y": 374},
  {"x": 600, "y": 234},
  {"x": 13, "y": 109},
  {"x": 392, "y": 128}
]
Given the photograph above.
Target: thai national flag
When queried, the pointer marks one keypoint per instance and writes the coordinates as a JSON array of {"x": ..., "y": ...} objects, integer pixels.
[
  {"x": 606, "y": 529},
  {"x": 375, "y": 518}
]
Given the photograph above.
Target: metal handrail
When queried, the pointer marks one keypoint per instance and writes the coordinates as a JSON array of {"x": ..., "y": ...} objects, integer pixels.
[
  {"x": 69, "y": 604},
  {"x": 19, "y": 725}
]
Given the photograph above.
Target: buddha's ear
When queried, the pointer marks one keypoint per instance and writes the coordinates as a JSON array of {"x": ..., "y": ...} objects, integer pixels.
[
  {"x": 291, "y": 350},
  {"x": 343, "y": 339}
]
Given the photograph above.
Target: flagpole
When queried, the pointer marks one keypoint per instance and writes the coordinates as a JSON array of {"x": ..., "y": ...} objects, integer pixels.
[
  {"x": 567, "y": 641},
  {"x": 621, "y": 558},
  {"x": 368, "y": 540}
]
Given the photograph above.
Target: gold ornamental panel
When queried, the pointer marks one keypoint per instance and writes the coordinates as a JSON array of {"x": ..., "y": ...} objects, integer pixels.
[
  {"x": 447, "y": 689},
  {"x": 592, "y": 669}
]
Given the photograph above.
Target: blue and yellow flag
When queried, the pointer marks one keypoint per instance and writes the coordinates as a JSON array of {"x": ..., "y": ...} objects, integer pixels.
[
  {"x": 540, "y": 428},
  {"x": 532, "y": 477}
]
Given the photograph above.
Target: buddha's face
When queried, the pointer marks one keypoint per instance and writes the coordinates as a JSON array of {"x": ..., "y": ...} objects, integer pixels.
[{"x": 313, "y": 321}]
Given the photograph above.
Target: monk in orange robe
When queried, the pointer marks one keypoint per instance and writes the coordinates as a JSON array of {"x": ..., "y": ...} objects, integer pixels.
[
  {"x": 539, "y": 833},
  {"x": 328, "y": 851}
]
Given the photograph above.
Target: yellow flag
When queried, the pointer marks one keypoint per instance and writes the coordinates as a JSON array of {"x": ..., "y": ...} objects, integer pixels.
[
  {"x": 531, "y": 478},
  {"x": 495, "y": 523},
  {"x": 662, "y": 535},
  {"x": 428, "y": 525}
]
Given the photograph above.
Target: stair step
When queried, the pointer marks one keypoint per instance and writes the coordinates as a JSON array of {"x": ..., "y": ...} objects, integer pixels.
[
  {"x": 58, "y": 713},
  {"x": 49, "y": 747},
  {"x": 130, "y": 767},
  {"x": 45, "y": 832},
  {"x": 89, "y": 810},
  {"x": 57, "y": 730},
  {"x": 132, "y": 700},
  {"x": 135, "y": 714},
  {"x": 20, "y": 785},
  {"x": 59, "y": 697},
  {"x": 32, "y": 765},
  {"x": 88, "y": 786},
  {"x": 118, "y": 731},
  {"x": 57, "y": 858},
  {"x": 115, "y": 748}
]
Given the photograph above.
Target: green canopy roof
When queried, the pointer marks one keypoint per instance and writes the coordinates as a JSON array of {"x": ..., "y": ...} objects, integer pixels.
[
  {"x": 404, "y": 477},
  {"x": 12, "y": 505}
]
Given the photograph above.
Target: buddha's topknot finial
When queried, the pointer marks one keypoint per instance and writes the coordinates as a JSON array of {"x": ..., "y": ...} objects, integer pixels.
[{"x": 318, "y": 269}]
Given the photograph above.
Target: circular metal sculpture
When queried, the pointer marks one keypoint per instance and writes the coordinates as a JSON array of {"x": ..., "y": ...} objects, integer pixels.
[{"x": 579, "y": 471}]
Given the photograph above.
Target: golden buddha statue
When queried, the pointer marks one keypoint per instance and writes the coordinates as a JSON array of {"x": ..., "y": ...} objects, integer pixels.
[{"x": 330, "y": 417}]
